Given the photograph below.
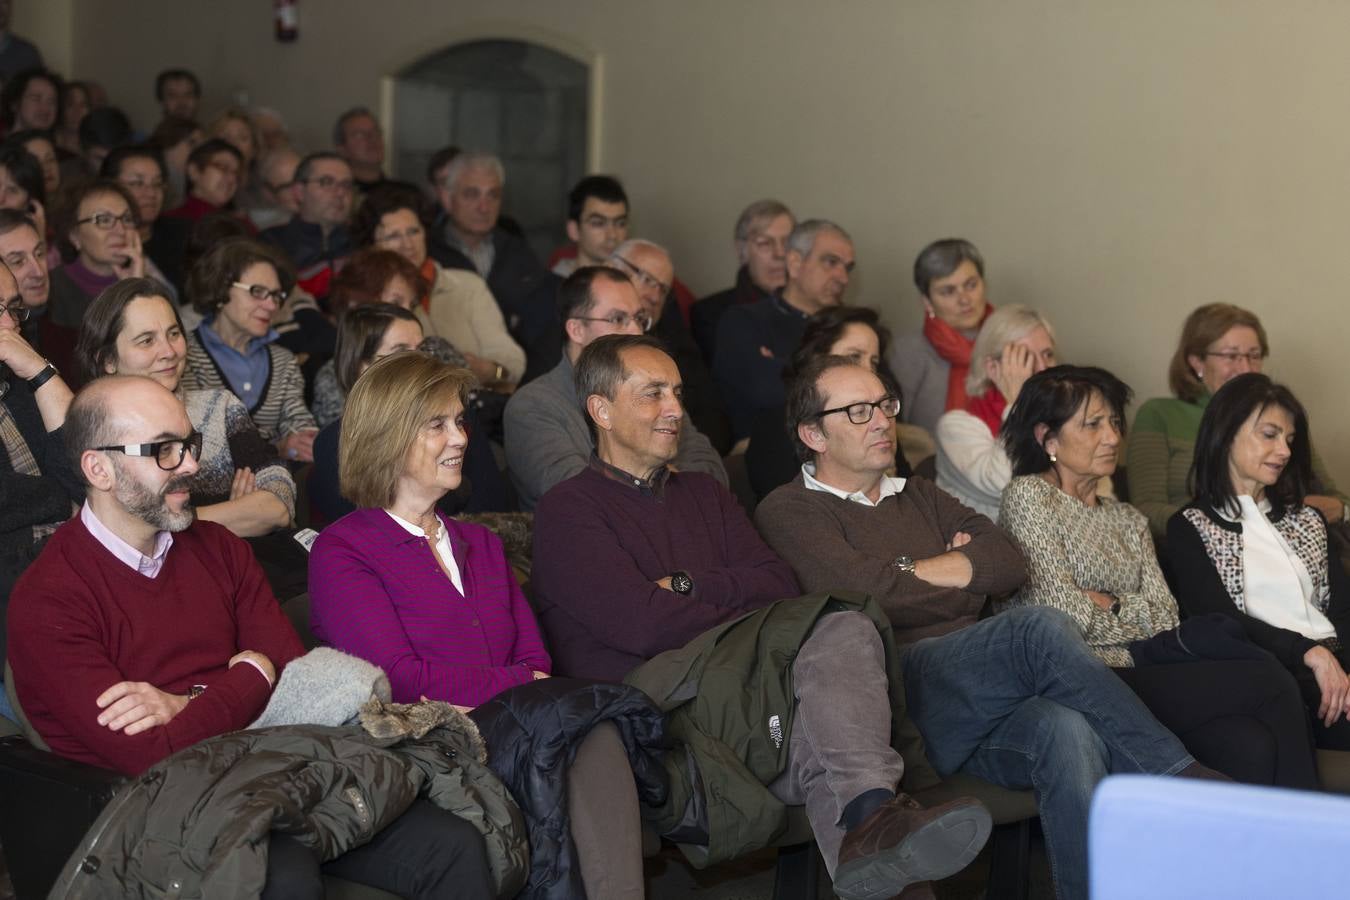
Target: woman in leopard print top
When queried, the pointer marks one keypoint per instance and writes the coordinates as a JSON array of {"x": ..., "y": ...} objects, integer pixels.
[
  {"x": 1249, "y": 546},
  {"x": 1092, "y": 558}
]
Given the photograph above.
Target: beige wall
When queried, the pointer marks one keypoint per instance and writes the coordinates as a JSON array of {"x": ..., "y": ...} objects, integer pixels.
[
  {"x": 1118, "y": 164},
  {"x": 50, "y": 25}
]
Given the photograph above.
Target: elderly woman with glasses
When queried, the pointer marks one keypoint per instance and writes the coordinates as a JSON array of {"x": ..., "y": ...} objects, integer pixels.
[
  {"x": 134, "y": 329},
  {"x": 98, "y": 225},
  {"x": 1218, "y": 342},
  {"x": 456, "y": 304},
  {"x": 237, "y": 287}
]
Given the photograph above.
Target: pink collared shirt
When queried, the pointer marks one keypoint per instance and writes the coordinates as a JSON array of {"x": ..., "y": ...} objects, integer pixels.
[{"x": 148, "y": 566}]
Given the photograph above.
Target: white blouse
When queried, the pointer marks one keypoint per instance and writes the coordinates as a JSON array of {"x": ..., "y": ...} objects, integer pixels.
[{"x": 1277, "y": 587}]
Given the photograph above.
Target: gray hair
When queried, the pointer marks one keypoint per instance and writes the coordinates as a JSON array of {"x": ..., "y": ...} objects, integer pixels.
[
  {"x": 757, "y": 215},
  {"x": 339, "y": 127},
  {"x": 803, "y": 238},
  {"x": 463, "y": 162},
  {"x": 941, "y": 258},
  {"x": 1005, "y": 325},
  {"x": 638, "y": 243}
]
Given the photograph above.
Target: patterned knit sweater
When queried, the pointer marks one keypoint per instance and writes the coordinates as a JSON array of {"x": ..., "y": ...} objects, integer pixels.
[
  {"x": 281, "y": 408},
  {"x": 1071, "y": 548},
  {"x": 231, "y": 441},
  {"x": 1159, "y": 453}
]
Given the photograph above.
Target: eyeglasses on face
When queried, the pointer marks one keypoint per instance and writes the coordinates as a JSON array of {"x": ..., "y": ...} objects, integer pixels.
[
  {"x": 1232, "y": 356},
  {"x": 105, "y": 221},
  {"x": 17, "y": 311},
  {"x": 168, "y": 455},
  {"x": 261, "y": 292},
  {"x": 861, "y": 413},
  {"x": 620, "y": 319},
  {"x": 644, "y": 276}
]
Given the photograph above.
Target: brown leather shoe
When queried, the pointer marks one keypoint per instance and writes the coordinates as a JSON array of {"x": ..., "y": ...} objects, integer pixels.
[{"x": 902, "y": 842}]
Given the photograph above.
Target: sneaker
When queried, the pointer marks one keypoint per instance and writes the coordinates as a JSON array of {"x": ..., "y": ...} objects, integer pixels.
[{"x": 903, "y": 842}]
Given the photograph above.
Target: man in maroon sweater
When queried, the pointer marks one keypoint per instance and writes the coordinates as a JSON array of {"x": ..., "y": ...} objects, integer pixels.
[
  {"x": 632, "y": 558},
  {"x": 140, "y": 631}
]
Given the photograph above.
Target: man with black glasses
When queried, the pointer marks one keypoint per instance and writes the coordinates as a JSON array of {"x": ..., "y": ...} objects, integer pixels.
[
  {"x": 317, "y": 238},
  {"x": 140, "y": 631},
  {"x": 547, "y": 439}
]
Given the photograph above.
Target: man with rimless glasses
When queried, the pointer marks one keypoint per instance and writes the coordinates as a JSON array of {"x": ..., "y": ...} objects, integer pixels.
[
  {"x": 547, "y": 439},
  {"x": 38, "y": 490}
]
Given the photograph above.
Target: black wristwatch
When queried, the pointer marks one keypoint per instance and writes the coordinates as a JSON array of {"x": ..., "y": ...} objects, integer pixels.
[
  {"x": 1115, "y": 607},
  {"x": 681, "y": 583},
  {"x": 41, "y": 378}
]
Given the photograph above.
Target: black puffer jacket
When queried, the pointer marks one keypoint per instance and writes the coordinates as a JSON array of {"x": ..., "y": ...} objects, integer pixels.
[
  {"x": 533, "y": 731},
  {"x": 196, "y": 824}
]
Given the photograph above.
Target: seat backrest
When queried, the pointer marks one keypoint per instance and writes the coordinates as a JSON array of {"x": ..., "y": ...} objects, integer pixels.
[{"x": 29, "y": 731}]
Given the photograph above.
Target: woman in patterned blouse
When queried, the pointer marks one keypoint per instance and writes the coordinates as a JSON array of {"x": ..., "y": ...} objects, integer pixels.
[
  {"x": 1251, "y": 547},
  {"x": 1092, "y": 558},
  {"x": 132, "y": 329}
]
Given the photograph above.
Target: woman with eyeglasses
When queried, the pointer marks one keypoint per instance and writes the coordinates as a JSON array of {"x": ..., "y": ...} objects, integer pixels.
[
  {"x": 1218, "y": 342},
  {"x": 456, "y": 304},
  {"x": 133, "y": 328},
  {"x": 98, "y": 227},
  {"x": 140, "y": 169},
  {"x": 237, "y": 287},
  {"x": 215, "y": 170}
]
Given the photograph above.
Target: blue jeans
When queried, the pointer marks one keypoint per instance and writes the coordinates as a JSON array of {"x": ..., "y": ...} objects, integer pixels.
[
  {"x": 5, "y": 709},
  {"x": 1020, "y": 701}
]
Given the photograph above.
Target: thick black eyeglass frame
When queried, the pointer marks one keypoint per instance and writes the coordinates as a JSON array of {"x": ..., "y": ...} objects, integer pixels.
[
  {"x": 872, "y": 405},
  {"x": 190, "y": 444}
]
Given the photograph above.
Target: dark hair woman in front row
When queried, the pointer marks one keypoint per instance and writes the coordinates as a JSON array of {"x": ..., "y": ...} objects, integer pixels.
[
  {"x": 1248, "y": 546},
  {"x": 1092, "y": 558}
]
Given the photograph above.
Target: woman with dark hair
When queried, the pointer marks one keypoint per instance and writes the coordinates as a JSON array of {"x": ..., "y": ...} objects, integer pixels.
[
  {"x": 39, "y": 143},
  {"x": 855, "y": 332},
  {"x": 96, "y": 225},
  {"x": 75, "y": 105},
  {"x": 1249, "y": 547},
  {"x": 931, "y": 365},
  {"x": 1218, "y": 341},
  {"x": 140, "y": 169},
  {"x": 22, "y": 184},
  {"x": 454, "y": 304},
  {"x": 31, "y": 99},
  {"x": 237, "y": 287},
  {"x": 214, "y": 172},
  {"x": 1091, "y": 557},
  {"x": 132, "y": 328}
]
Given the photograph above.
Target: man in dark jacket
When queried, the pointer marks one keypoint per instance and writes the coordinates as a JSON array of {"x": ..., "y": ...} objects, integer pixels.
[
  {"x": 760, "y": 240},
  {"x": 632, "y": 559},
  {"x": 140, "y": 631},
  {"x": 469, "y": 236},
  {"x": 316, "y": 239}
]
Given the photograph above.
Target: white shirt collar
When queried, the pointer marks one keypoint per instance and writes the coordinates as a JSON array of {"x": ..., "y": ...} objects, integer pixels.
[
  {"x": 440, "y": 544},
  {"x": 889, "y": 487},
  {"x": 149, "y": 566}
]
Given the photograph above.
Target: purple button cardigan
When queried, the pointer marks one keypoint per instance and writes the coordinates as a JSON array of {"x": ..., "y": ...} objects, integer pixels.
[{"x": 377, "y": 592}]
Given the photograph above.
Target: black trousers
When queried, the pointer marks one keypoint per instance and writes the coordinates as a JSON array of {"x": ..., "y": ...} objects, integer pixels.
[
  {"x": 1337, "y": 737},
  {"x": 1243, "y": 718},
  {"x": 424, "y": 853}
]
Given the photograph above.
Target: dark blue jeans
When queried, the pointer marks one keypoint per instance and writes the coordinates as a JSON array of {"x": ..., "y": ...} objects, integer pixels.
[{"x": 1021, "y": 701}]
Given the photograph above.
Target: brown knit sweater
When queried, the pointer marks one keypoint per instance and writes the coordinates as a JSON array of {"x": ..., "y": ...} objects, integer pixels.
[{"x": 836, "y": 544}]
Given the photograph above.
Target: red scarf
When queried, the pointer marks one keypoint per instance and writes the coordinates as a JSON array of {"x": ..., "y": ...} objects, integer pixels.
[
  {"x": 988, "y": 408},
  {"x": 428, "y": 275},
  {"x": 954, "y": 347}
]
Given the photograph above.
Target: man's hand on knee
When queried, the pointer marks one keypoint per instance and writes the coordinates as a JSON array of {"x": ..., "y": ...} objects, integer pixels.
[{"x": 135, "y": 706}]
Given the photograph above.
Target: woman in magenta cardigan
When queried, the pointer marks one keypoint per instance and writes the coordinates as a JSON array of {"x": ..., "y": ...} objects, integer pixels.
[{"x": 433, "y": 601}]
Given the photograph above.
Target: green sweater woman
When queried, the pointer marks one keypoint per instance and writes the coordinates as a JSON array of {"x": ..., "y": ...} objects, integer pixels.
[{"x": 1218, "y": 341}]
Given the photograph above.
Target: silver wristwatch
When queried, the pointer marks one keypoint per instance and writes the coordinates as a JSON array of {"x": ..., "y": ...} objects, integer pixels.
[{"x": 904, "y": 564}]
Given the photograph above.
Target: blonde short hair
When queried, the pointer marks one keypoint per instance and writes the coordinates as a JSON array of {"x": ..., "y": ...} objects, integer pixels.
[
  {"x": 1005, "y": 325},
  {"x": 388, "y": 405}
]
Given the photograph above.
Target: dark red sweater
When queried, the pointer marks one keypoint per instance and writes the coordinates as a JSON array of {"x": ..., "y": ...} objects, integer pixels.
[
  {"x": 80, "y": 621},
  {"x": 601, "y": 545}
]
